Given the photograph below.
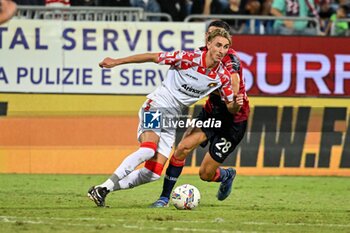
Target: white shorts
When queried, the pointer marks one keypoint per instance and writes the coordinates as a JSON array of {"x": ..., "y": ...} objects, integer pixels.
[{"x": 166, "y": 135}]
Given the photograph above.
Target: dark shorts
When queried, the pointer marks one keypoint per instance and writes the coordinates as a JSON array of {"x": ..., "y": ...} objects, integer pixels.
[{"x": 222, "y": 140}]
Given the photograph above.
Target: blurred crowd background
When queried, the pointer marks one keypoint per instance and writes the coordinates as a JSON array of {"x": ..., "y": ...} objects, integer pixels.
[{"x": 332, "y": 15}]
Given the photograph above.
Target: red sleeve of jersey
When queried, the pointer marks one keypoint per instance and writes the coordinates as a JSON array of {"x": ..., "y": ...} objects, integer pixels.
[
  {"x": 226, "y": 91},
  {"x": 232, "y": 62},
  {"x": 169, "y": 58}
]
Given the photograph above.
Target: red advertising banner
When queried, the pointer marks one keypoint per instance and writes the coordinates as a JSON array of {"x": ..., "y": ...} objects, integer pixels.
[{"x": 295, "y": 66}]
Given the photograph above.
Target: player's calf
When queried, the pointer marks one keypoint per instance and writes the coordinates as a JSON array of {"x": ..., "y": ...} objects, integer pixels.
[
  {"x": 207, "y": 175},
  {"x": 151, "y": 172}
]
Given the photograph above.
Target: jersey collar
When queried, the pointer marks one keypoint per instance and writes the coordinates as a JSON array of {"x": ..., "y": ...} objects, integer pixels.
[{"x": 204, "y": 64}]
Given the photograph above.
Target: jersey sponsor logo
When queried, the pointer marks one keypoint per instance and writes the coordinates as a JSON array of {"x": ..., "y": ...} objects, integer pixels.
[
  {"x": 189, "y": 94},
  {"x": 212, "y": 84},
  {"x": 191, "y": 89},
  {"x": 191, "y": 76}
]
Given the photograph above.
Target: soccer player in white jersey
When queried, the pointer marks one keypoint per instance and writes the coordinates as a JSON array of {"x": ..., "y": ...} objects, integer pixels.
[
  {"x": 191, "y": 76},
  {"x": 7, "y": 10}
]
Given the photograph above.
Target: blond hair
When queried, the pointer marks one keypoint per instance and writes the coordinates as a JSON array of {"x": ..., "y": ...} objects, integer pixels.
[{"x": 219, "y": 32}]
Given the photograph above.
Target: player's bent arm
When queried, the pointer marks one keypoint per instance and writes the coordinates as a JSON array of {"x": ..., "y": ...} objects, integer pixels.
[
  {"x": 139, "y": 58},
  {"x": 234, "y": 106},
  {"x": 235, "y": 79}
]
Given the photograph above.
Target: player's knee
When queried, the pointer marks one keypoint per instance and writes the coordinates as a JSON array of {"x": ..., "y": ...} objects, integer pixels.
[
  {"x": 148, "y": 150},
  {"x": 182, "y": 150},
  {"x": 150, "y": 145},
  {"x": 205, "y": 175}
]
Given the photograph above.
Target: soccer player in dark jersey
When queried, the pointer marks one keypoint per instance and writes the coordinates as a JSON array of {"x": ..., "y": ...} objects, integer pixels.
[
  {"x": 222, "y": 140},
  {"x": 7, "y": 10}
]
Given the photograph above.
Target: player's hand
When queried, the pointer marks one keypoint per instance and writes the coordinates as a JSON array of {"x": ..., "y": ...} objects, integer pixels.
[
  {"x": 108, "y": 63},
  {"x": 239, "y": 99}
]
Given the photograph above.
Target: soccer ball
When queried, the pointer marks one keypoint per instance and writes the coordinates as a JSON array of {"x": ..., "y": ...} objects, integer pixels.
[{"x": 185, "y": 197}]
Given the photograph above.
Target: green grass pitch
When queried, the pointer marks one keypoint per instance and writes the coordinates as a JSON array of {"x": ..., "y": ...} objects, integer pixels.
[{"x": 58, "y": 203}]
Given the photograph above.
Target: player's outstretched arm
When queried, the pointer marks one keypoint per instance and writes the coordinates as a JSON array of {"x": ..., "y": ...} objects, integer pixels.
[
  {"x": 139, "y": 58},
  {"x": 7, "y": 10}
]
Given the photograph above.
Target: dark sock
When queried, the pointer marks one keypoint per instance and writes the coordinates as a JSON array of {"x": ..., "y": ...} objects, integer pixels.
[{"x": 172, "y": 173}]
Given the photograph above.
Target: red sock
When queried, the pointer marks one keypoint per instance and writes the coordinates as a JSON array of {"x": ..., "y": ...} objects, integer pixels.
[
  {"x": 177, "y": 162},
  {"x": 155, "y": 167},
  {"x": 217, "y": 175}
]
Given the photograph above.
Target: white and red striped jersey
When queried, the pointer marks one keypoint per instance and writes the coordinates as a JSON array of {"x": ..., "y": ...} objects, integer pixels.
[{"x": 189, "y": 80}]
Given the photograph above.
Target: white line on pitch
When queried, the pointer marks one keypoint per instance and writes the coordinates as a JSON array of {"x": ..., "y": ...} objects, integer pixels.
[
  {"x": 298, "y": 224},
  {"x": 114, "y": 219},
  {"x": 51, "y": 218},
  {"x": 13, "y": 219},
  {"x": 39, "y": 221}
]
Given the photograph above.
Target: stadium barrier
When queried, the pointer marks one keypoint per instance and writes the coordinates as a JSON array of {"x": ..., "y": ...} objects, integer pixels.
[
  {"x": 154, "y": 16},
  {"x": 80, "y": 13},
  {"x": 257, "y": 24},
  {"x": 89, "y": 13},
  {"x": 61, "y": 113},
  {"x": 347, "y": 33}
]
